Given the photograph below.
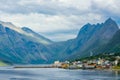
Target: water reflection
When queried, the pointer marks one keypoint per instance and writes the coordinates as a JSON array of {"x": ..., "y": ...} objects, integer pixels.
[
  {"x": 117, "y": 73},
  {"x": 20, "y": 79},
  {"x": 57, "y": 74}
]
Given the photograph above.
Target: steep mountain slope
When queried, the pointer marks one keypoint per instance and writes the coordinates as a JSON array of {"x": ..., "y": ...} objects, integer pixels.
[
  {"x": 113, "y": 46},
  {"x": 91, "y": 37},
  {"x": 102, "y": 36},
  {"x": 27, "y": 32},
  {"x": 17, "y": 46},
  {"x": 40, "y": 38}
]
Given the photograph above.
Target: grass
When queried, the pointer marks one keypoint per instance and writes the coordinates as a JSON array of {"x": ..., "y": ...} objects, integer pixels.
[
  {"x": 2, "y": 63},
  {"x": 116, "y": 67}
]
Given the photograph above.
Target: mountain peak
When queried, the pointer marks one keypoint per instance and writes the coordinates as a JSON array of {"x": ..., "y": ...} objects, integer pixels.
[
  {"x": 88, "y": 24},
  {"x": 111, "y": 23},
  {"x": 7, "y": 24},
  {"x": 38, "y": 37},
  {"x": 109, "y": 20},
  {"x": 11, "y": 26}
]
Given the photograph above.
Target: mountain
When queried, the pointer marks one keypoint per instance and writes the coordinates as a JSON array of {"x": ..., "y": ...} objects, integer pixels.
[
  {"x": 27, "y": 32},
  {"x": 91, "y": 37},
  {"x": 24, "y": 46},
  {"x": 113, "y": 46},
  {"x": 19, "y": 46},
  {"x": 38, "y": 37}
]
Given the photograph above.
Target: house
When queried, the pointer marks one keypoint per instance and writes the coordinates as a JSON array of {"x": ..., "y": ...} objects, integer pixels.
[{"x": 57, "y": 64}]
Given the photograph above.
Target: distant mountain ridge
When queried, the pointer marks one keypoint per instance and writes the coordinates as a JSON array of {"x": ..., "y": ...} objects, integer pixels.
[
  {"x": 18, "y": 46},
  {"x": 40, "y": 38},
  {"x": 90, "y": 37},
  {"x": 28, "y": 32},
  {"x": 24, "y": 46},
  {"x": 101, "y": 35}
]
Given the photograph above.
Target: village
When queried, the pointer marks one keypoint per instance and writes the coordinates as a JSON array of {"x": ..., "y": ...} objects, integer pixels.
[{"x": 96, "y": 63}]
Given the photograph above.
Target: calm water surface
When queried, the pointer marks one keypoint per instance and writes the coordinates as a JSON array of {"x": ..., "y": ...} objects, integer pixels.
[{"x": 56, "y": 74}]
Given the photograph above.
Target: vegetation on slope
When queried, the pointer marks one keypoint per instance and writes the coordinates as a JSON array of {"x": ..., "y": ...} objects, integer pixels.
[
  {"x": 3, "y": 64},
  {"x": 106, "y": 56}
]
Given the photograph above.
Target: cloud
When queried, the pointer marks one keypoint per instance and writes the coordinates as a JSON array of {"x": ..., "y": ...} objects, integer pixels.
[
  {"x": 51, "y": 23},
  {"x": 111, "y": 6},
  {"x": 60, "y": 18},
  {"x": 55, "y": 7},
  {"x": 60, "y": 36}
]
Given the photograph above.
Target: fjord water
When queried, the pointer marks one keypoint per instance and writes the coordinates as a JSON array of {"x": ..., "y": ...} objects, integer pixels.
[{"x": 56, "y": 74}]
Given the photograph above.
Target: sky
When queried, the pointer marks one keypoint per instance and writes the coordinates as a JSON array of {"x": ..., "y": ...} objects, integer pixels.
[{"x": 58, "y": 20}]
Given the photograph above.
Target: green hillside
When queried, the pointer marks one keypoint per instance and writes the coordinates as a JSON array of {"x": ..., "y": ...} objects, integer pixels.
[{"x": 3, "y": 64}]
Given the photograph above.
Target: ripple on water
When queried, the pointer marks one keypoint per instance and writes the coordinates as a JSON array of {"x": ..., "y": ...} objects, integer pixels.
[{"x": 57, "y": 74}]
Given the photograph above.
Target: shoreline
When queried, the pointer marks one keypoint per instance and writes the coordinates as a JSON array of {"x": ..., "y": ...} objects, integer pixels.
[
  {"x": 50, "y": 66},
  {"x": 20, "y": 67}
]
